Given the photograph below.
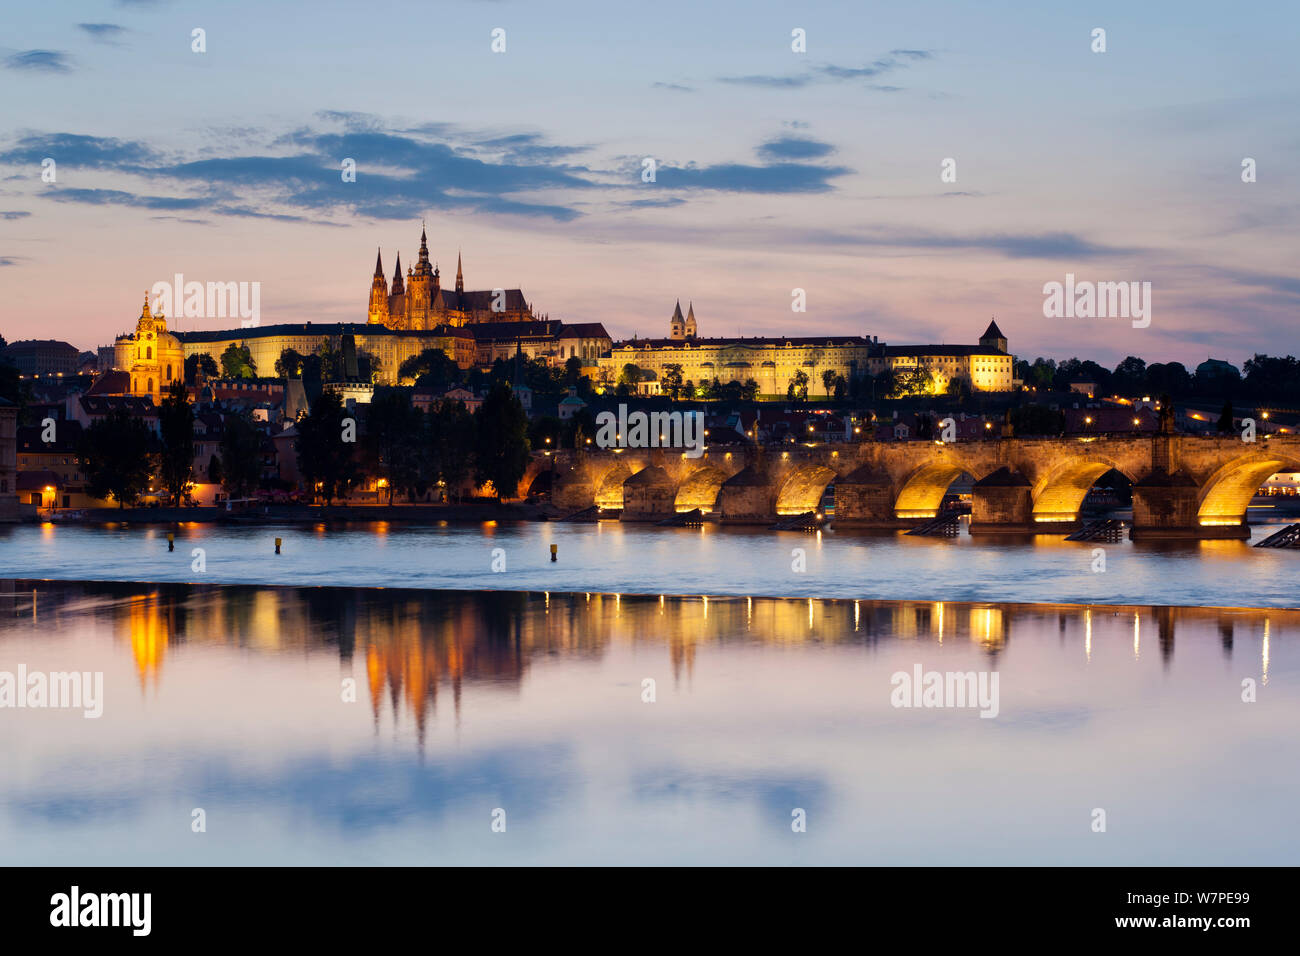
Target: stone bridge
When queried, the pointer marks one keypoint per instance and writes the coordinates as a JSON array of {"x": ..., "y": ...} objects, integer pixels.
[{"x": 1183, "y": 485}]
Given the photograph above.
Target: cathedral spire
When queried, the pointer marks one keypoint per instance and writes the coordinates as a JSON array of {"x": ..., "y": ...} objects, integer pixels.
[
  {"x": 379, "y": 264},
  {"x": 460, "y": 276}
]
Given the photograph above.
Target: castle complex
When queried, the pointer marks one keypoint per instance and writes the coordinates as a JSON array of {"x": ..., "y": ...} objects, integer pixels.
[
  {"x": 476, "y": 328},
  {"x": 419, "y": 301}
]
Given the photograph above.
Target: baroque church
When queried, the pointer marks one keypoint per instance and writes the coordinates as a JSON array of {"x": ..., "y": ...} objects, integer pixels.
[
  {"x": 152, "y": 357},
  {"x": 419, "y": 302}
]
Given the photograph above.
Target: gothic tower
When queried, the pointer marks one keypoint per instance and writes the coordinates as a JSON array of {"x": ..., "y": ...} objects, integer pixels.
[
  {"x": 419, "y": 288},
  {"x": 460, "y": 276},
  {"x": 677, "y": 325},
  {"x": 378, "y": 294},
  {"x": 993, "y": 338},
  {"x": 690, "y": 321}
]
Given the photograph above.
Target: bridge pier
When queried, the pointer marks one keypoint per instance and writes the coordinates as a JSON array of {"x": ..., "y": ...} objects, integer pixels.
[
  {"x": 649, "y": 495},
  {"x": 1003, "y": 503},
  {"x": 865, "y": 499},
  {"x": 748, "y": 497},
  {"x": 1166, "y": 505}
]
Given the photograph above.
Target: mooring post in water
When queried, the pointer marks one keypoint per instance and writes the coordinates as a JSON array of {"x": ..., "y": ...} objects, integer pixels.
[
  {"x": 171, "y": 541},
  {"x": 277, "y": 545},
  {"x": 554, "y": 549}
]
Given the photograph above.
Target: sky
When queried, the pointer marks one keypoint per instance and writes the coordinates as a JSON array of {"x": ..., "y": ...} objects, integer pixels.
[{"x": 775, "y": 170}]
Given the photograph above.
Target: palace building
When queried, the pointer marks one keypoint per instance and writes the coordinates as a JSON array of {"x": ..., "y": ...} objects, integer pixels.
[
  {"x": 151, "y": 356},
  {"x": 419, "y": 301},
  {"x": 773, "y": 361}
]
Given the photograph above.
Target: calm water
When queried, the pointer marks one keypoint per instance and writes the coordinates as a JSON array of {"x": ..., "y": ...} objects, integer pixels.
[
  {"x": 612, "y": 557},
  {"x": 229, "y": 699}
]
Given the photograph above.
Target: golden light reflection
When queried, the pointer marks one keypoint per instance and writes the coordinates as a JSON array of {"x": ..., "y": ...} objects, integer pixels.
[
  {"x": 1264, "y": 654},
  {"x": 1087, "y": 634},
  {"x": 1137, "y": 635}
]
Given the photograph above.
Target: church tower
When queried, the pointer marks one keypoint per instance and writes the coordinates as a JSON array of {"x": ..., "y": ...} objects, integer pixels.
[
  {"x": 993, "y": 338},
  {"x": 690, "y": 321},
  {"x": 677, "y": 325},
  {"x": 378, "y": 294},
  {"x": 460, "y": 276},
  {"x": 419, "y": 288}
]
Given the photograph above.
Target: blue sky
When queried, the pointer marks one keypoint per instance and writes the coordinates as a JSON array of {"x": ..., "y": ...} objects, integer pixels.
[{"x": 776, "y": 170}]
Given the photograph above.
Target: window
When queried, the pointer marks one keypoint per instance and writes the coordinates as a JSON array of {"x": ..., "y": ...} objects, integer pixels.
[{"x": 148, "y": 352}]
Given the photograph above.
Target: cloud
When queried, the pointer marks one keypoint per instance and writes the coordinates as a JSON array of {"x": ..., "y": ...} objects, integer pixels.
[
  {"x": 739, "y": 177},
  {"x": 7, "y": 261},
  {"x": 675, "y": 87},
  {"x": 41, "y": 61},
  {"x": 654, "y": 203},
  {"x": 795, "y": 147},
  {"x": 13, "y": 214},
  {"x": 831, "y": 73},
  {"x": 102, "y": 32}
]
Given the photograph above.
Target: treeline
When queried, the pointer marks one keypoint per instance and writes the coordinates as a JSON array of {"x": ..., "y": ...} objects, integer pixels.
[
  {"x": 1263, "y": 378},
  {"x": 410, "y": 450}
]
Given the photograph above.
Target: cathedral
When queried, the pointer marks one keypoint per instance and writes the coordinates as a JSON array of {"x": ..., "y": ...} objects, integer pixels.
[{"x": 418, "y": 302}]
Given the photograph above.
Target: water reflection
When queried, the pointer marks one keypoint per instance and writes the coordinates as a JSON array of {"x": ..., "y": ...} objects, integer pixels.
[
  {"x": 417, "y": 648},
  {"x": 234, "y": 698}
]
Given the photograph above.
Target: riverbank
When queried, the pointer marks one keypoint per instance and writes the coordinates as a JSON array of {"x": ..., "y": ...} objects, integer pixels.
[{"x": 474, "y": 512}]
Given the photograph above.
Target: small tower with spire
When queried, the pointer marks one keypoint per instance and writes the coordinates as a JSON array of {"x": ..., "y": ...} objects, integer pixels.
[
  {"x": 460, "y": 276},
  {"x": 378, "y": 314},
  {"x": 677, "y": 324},
  {"x": 690, "y": 321}
]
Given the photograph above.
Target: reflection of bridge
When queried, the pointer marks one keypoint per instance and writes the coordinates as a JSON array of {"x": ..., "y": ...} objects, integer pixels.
[{"x": 1183, "y": 485}]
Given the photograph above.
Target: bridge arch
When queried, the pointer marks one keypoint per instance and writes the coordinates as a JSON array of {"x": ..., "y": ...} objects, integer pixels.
[
  {"x": 700, "y": 490},
  {"x": 1059, "y": 494},
  {"x": 1226, "y": 494},
  {"x": 922, "y": 491},
  {"x": 609, "y": 486},
  {"x": 802, "y": 489}
]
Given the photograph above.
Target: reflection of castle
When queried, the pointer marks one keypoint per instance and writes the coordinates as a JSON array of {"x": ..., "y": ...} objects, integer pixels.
[{"x": 420, "y": 302}]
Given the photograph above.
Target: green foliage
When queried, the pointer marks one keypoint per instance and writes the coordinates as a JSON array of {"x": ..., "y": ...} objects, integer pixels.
[
  {"x": 289, "y": 364},
  {"x": 114, "y": 456},
  {"x": 501, "y": 441},
  {"x": 324, "y": 458},
  {"x": 432, "y": 368},
  {"x": 797, "y": 390},
  {"x": 200, "y": 363},
  {"x": 237, "y": 362},
  {"x": 241, "y": 455},
  {"x": 176, "y": 451},
  {"x": 391, "y": 444}
]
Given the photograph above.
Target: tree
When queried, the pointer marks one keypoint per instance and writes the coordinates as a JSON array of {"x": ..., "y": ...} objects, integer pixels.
[
  {"x": 749, "y": 391},
  {"x": 12, "y": 387},
  {"x": 448, "y": 446},
  {"x": 432, "y": 368},
  {"x": 289, "y": 364},
  {"x": 200, "y": 363},
  {"x": 841, "y": 386},
  {"x": 1131, "y": 376},
  {"x": 829, "y": 377},
  {"x": 176, "y": 451},
  {"x": 573, "y": 371},
  {"x": 913, "y": 381},
  {"x": 324, "y": 458},
  {"x": 1226, "y": 423},
  {"x": 391, "y": 443},
  {"x": 797, "y": 390},
  {"x": 629, "y": 379},
  {"x": 501, "y": 441},
  {"x": 237, "y": 362},
  {"x": 114, "y": 456},
  {"x": 214, "y": 469},
  {"x": 241, "y": 455},
  {"x": 671, "y": 380}
]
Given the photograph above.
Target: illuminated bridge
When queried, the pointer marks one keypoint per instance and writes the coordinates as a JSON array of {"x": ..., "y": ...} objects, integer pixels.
[{"x": 1184, "y": 486}]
